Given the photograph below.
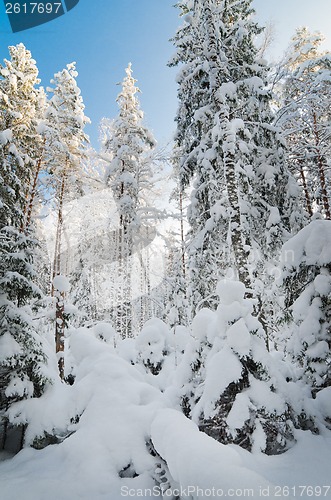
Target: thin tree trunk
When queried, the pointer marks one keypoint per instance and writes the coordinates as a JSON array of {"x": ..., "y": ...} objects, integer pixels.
[
  {"x": 321, "y": 171},
  {"x": 33, "y": 191},
  {"x": 181, "y": 211},
  {"x": 59, "y": 296},
  {"x": 236, "y": 229},
  {"x": 4, "y": 435},
  {"x": 305, "y": 189}
]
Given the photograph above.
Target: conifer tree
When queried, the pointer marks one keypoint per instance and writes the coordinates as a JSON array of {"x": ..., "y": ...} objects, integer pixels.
[
  {"x": 22, "y": 358},
  {"x": 128, "y": 148},
  {"x": 233, "y": 156},
  {"x": 243, "y": 206},
  {"x": 227, "y": 368},
  {"x": 65, "y": 140},
  {"x": 20, "y": 105}
]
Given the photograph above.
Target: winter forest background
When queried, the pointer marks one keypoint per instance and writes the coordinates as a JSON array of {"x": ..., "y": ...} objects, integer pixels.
[{"x": 165, "y": 310}]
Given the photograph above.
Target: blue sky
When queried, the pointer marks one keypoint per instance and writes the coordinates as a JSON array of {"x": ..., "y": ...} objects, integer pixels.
[{"x": 102, "y": 36}]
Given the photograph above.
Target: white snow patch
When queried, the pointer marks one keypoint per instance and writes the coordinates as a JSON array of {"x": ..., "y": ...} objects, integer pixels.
[{"x": 61, "y": 284}]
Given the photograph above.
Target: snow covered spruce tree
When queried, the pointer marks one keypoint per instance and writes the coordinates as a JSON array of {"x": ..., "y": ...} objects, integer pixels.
[
  {"x": 65, "y": 140},
  {"x": 128, "y": 148},
  {"x": 305, "y": 117},
  {"x": 177, "y": 309},
  {"x": 22, "y": 358},
  {"x": 176, "y": 306},
  {"x": 243, "y": 206},
  {"x": 242, "y": 198}
]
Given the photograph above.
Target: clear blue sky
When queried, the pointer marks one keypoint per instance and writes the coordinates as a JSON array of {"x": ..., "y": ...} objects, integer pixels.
[{"x": 102, "y": 36}]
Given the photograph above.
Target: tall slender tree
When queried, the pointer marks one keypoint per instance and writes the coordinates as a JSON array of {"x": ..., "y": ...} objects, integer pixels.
[
  {"x": 65, "y": 140},
  {"x": 128, "y": 147},
  {"x": 242, "y": 203},
  {"x": 22, "y": 358},
  {"x": 243, "y": 206}
]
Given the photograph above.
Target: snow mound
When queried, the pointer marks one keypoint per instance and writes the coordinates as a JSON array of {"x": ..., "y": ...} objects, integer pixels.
[
  {"x": 153, "y": 342},
  {"x": 187, "y": 452},
  {"x": 230, "y": 291},
  {"x": 323, "y": 402},
  {"x": 106, "y": 418}
]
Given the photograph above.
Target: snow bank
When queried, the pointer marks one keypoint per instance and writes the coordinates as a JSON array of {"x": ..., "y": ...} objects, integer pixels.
[
  {"x": 323, "y": 402},
  {"x": 199, "y": 462}
]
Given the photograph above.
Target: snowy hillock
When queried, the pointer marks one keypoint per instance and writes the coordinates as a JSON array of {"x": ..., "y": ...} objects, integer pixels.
[{"x": 187, "y": 451}]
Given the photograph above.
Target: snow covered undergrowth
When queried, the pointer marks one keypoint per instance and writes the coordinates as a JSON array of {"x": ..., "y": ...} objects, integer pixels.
[
  {"x": 121, "y": 410},
  {"x": 118, "y": 407}
]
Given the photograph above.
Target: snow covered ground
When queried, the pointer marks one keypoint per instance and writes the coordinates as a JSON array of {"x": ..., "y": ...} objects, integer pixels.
[{"x": 121, "y": 412}]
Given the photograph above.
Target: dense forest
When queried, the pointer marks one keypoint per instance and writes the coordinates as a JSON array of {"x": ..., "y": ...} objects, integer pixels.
[{"x": 158, "y": 303}]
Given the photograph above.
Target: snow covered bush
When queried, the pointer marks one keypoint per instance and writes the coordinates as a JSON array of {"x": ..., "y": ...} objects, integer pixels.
[{"x": 153, "y": 345}]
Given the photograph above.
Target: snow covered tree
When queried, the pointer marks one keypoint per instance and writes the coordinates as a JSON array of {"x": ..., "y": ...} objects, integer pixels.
[
  {"x": 244, "y": 205},
  {"x": 305, "y": 117},
  {"x": 20, "y": 105},
  {"x": 230, "y": 385},
  {"x": 175, "y": 289},
  {"x": 177, "y": 309},
  {"x": 306, "y": 262},
  {"x": 22, "y": 359},
  {"x": 243, "y": 197},
  {"x": 128, "y": 148},
  {"x": 82, "y": 292},
  {"x": 22, "y": 356},
  {"x": 65, "y": 140}
]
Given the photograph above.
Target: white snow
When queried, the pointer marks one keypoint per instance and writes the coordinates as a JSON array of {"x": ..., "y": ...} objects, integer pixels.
[
  {"x": 8, "y": 347},
  {"x": 323, "y": 401},
  {"x": 222, "y": 369},
  {"x": 6, "y": 136},
  {"x": 312, "y": 246},
  {"x": 61, "y": 283},
  {"x": 239, "y": 338},
  {"x": 120, "y": 411},
  {"x": 230, "y": 291},
  {"x": 197, "y": 461}
]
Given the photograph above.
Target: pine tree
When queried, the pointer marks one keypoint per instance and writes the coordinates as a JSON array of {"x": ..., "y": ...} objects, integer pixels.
[
  {"x": 128, "y": 147},
  {"x": 176, "y": 310},
  {"x": 22, "y": 352},
  {"x": 65, "y": 140},
  {"x": 243, "y": 206},
  {"x": 233, "y": 156},
  {"x": 305, "y": 116},
  {"x": 231, "y": 386}
]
